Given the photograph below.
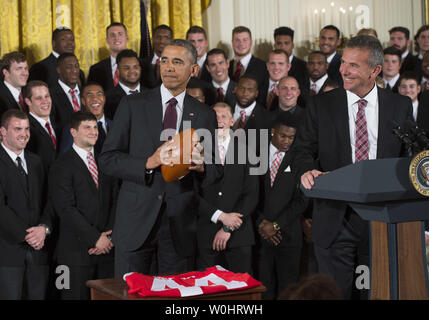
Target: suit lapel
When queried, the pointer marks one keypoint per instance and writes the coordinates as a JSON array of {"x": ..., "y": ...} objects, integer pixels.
[
  {"x": 189, "y": 112},
  {"x": 43, "y": 132},
  {"x": 385, "y": 117},
  {"x": 154, "y": 116},
  {"x": 340, "y": 117},
  {"x": 9, "y": 162},
  {"x": 283, "y": 166},
  {"x": 78, "y": 163}
]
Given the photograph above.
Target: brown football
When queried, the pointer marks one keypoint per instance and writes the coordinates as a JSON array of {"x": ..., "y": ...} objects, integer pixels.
[{"x": 183, "y": 142}]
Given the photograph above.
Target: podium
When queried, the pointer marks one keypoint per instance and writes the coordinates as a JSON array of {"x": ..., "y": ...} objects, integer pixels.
[{"x": 380, "y": 192}]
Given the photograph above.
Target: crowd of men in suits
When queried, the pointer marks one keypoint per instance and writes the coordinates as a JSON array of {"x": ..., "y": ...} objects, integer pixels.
[{"x": 81, "y": 184}]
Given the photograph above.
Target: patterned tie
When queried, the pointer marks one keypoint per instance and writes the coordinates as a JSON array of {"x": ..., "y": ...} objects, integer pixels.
[
  {"x": 275, "y": 166},
  {"x": 170, "y": 116},
  {"x": 220, "y": 96},
  {"x": 92, "y": 168},
  {"x": 313, "y": 90},
  {"x": 222, "y": 154},
  {"x": 76, "y": 106},
  {"x": 22, "y": 104},
  {"x": 116, "y": 77},
  {"x": 361, "y": 143},
  {"x": 271, "y": 96},
  {"x": 54, "y": 140},
  {"x": 237, "y": 73}
]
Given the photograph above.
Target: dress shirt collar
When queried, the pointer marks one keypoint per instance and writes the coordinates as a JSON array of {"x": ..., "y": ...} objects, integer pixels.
[
  {"x": 290, "y": 59},
  {"x": 155, "y": 57},
  {"x": 392, "y": 82},
  {"x": 103, "y": 122},
  {"x": 273, "y": 151},
  {"x": 319, "y": 83},
  {"x": 245, "y": 60},
  {"x": 55, "y": 54},
  {"x": 224, "y": 85},
  {"x": 166, "y": 96},
  {"x": 329, "y": 59},
  {"x": 66, "y": 88},
  {"x": 13, "y": 156},
  {"x": 404, "y": 55},
  {"x": 420, "y": 56},
  {"x": 248, "y": 110},
  {"x": 127, "y": 90},
  {"x": 415, "y": 109},
  {"x": 271, "y": 85},
  {"x": 14, "y": 91},
  {"x": 202, "y": 60},
  {"x": 371, "y": 97},
  {"x": 42, "y": 122},
  {"x": 113, "y": 62},
  {"x": 83, "y": 154}
]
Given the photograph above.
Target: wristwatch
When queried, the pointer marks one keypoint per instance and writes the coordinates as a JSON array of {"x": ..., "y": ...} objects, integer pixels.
[
  {"x": 227, "y": 229},
  {"x": 276, "y": 226},
  {"x": 47, "y": 230}
]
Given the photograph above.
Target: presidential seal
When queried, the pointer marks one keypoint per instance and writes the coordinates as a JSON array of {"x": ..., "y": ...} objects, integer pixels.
[{"x": 419, "y": 172}]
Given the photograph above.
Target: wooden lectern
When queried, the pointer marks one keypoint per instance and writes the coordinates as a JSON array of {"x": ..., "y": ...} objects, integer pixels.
[{"x": 380, "y": 192}]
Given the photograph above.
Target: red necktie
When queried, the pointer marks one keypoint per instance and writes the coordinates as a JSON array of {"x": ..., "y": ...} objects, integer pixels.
[
  {"x": 170, "y": 116},
  {"x": 92, "y": 168},
  {"x": 54, "y": 140},
  {"x": 237, "y": 73},
  {"x": 222, "y": 154},
  {"x": 313, "y": 91},
  {"x": 361, "y": 142},
  {"x": 22, "y": 103},
  {"x": 271, "y": 96},
  {"x": 220, "y": 96},
  {"x": 116, "y": 77},
  {"x": 76, "y": 106},
  {"x": 275, "y": 166}
]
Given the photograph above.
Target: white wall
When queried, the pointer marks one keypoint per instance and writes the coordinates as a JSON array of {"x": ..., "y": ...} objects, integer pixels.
[{"x": 263, "y": 16}]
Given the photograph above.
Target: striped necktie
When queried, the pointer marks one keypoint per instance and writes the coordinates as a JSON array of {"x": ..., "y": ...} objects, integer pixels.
[
  {"x": 275, "y": 166},
  {"x": 92, "y": 168}
]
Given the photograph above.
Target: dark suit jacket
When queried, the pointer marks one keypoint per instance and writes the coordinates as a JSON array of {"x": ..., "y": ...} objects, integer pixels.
[
  {"x": 334, "y": 70},
  {"x": 62, "y": 108},
  {"x": 297, "y": 111},
  {"x": 204, "y": 74},
  {"x": 66, "y": 142},
  {"x": 134, "y": 137},
  {"x": 113, "y": 97},
  {"x": 7, "y": 100},
  {"x": 305, "y": 92},
  {"x": 423, "y": 112},
  {"x": 256, "y": 67},
  {"x": 46, "y": 70},
  {"x": 324, "y": 135},
  {"x": 283, "y": 202},
  {"x": 41, "y": 143},
  {"x": 409, "y": 63},
  {"x": 237, "y": 191},
  {"x": 84, "y": 210},
  {"x": 229, "y": 97},
  {"x": 298, "y": 70},
  {"x": 21, "y": 209},
  {"x": 101, "y": 73}
]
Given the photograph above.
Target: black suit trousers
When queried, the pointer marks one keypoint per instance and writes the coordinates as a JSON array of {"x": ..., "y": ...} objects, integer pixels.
[
  {"x": 238, "y": 259},
  {"x": 349, "y": 249}
]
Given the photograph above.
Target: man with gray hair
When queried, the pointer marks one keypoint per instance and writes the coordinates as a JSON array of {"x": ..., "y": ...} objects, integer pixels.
[
  {"x": 155, "y": 219},
  {"x": 341, "y": 127}
]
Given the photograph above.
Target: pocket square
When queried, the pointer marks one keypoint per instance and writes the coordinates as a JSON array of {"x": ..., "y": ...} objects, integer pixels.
[{"x": 287, "y": 169}]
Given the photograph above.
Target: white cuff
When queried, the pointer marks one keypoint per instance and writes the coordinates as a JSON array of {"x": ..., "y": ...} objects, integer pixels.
[{"x": 216, "y": 215}]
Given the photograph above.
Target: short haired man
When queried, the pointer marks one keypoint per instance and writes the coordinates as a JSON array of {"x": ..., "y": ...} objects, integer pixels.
[
  {"x": 163, "y": 227},
  {"x": 317, "y": 66},
  {"x": 84, "y": 199},
  {"x": 337, "y": 230},
  {"x": 400, "y": 39},
  {"x": 283, "y": 39},
  {"x": 391, "y": 68},
  {"x": 288, "y": 93},
  {"x": 244, "y": 62},
  {"x": 278, "y": 67},
  {"x": 421, "y": 45},
  {"x": 329, "y": 41},
  {"x": 424, "y": 72},
  {"x": 14, "y": 69},
  {"x": 44, "y": 137},
  {"x": 408, "y": 85},
  {"x": 129, "y": 71},
  {"x": 25, "y": 219},
  {"x": 224, "y": 227},
  {"x": 65, "y": 93},
  {"x": 161, "y": 36},
  {"x": 278, "y": 220},
  {"x": 221, "y": 84},
  {"x": 93, "y": 99},
  {"x": 46, "y": 69},
  {"x": 106, "y": 71},
  {"x": 198, "y": 37}
]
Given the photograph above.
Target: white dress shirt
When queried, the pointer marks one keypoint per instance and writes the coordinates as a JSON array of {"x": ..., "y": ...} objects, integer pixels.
[
  {"x": 201, "y": 60},
  {"x": 114, "y": 66},
  {"x": 273, "y": 155},
  {"x": 127, "y": 90},
  {"x": 83, "y": 154},
  {"x": 13, "y": 156},
  {"x": 319, "y": 83},
  {"x": 165, "y": 98},
  {"x": 245, "y": 61},
  {"x": 103, "y": 123},
  {"x": 415, "y": 109},
  {"x": 42, "y": 122},
  {"x": 329, "y": 59},
  {"x": 224, "y": 85},
  {"x": 249, "y": 110},
  {"x": 66, "y": 89},
  {"x": 155, "y": 57},
  {"x": 371, "y": 115},
  {"x": 392, "y": 81}
]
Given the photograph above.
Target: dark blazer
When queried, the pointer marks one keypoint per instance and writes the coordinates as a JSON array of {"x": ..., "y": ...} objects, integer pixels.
[
  {"x": 134, "y": 137},
  {"x": 283, "y": 202},
  {"x": 423, "y": 111},
  {"x": 41, "y": 143},
  {"x": 256, "y": 67},
  {"x": 62, "y": 107},
  {"x": 324, "y": 135},
  {"x": 7, "y": 100},
  {"x": 46, "y": 70},
  {"x": 334, "y": 70},
  {"x": 113, "y": 97},
  {"x": 84, "y": 210},
  {"x": 409, "y": 63},
  {"x": 237, "y": 191},
  {"x": 299, "y": 71},
  {"x": 229, "y": 97},
  {"x": 306, "y": 94},
  {"x": 297, "y": 111},
  {"x": 21, "y": 209},
  {"x": 101, "y": 73},
  {"x": 204, "y": 74},
  {"x": 66, "y": 142}
]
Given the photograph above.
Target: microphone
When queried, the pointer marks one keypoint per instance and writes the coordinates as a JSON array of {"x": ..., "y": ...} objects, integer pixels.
[
  {"x": 419, "y": 135},
  {"x": 403, "y": 135}
]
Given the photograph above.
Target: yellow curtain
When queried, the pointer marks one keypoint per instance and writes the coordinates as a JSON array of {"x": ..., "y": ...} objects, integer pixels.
[{"x": 27, "y": 25}]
